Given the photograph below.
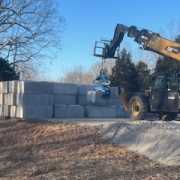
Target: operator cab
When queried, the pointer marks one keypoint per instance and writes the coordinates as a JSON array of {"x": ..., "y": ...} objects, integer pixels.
[{"x": 165, "y": 94}]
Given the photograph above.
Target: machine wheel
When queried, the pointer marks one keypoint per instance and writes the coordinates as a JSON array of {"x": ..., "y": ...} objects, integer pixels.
[{"x": 137, "y": 108}]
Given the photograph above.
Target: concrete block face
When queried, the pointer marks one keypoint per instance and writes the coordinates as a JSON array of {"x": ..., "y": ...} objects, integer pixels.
[
  {"x": 69, "y": 89},
  {"x": 13, "y": 111},
  {"x": 82, "y": 100},
  {"x": 99, "y": 101},
  {"x": 101, "y": 112},
  {"x": 1, "y": 99},
  {"x": 83, "y": 89},
  {"x": 12, "y": 86},
  {"x": 6, "y": 110},
  {"x": 33, "y": 87},
  {"x": 19, "y": 112},
  {"x": 34, "y": 112},
  {"x": 5, "y": 86},
  {"x": 69, "y": 111},
  {"x": 114, "y": 92},
  {"x": 1, "y": 111},
  {"x": 20, "y": 87},
  {"x": 64, "y": 99},
  {"x": 10, "y": 99},
  {"x": 121, "y": 113},
  {"x": 34, "y": 99},
  {"x": 1, "y": 87}
]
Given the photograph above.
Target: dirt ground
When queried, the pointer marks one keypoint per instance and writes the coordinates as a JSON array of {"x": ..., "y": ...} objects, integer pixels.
[{"x": 69, "y": 151}]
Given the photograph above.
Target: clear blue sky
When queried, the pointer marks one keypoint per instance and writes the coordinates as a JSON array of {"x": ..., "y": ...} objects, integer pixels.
[{"x": 89, "y": 20}]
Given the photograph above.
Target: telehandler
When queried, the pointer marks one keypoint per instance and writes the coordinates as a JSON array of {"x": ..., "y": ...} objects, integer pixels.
[{"x": 164, "y": 96}]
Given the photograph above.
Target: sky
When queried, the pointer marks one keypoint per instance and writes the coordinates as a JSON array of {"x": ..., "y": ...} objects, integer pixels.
[{"x": 89, "y": 20}]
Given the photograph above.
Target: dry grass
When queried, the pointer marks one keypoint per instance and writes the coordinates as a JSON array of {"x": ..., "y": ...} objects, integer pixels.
[{"x": 68, "y": 151}]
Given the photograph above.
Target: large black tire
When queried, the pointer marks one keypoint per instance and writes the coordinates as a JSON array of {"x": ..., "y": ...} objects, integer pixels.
[{"x": 137, "y": 108}]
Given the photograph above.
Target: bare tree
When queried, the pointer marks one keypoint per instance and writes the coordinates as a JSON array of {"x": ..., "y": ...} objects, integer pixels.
[
  {"x": 108, "y": 65},
  {"x": 28, "y": 28},
  {"x": 28, "y": 71},
  {"x": 80, "y": 76}
]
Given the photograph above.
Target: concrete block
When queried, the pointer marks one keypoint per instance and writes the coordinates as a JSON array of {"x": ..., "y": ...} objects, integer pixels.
[
  {"x": 60, "y": 88},
  {"x": 1, "y": 99},
  {"x": 19, "y": 112},
  {"x": 82, "y": 100},
  {"x": 1, "y": 111},
  {"x": 101, "y": 112},
  {"x": 99, "y": 101},
  {"x": 34, "y": 99},
  {"x": 12, "y": 86},
  {"x": 6, "y": 111},
  {"x": 12, "y": 111},
  {"x": 64, "y": 99},
  {"x": 33, "y": 87},
  {"x": 69, "y": 111},
  {"x": 20, "y": 87},
  {"x": 34, "y": 112},
  {"x": 9, "y": 99},
  {"x": 5, "y": 86},
  {"x": 114, "y": 92},
  {"x": 121, "y": 113},
  {"x": 83, "y": 89},
  {"x": 1, "y": 87}
]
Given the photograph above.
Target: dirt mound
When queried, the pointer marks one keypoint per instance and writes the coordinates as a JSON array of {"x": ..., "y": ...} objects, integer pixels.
[
  {"x": 69, "y": 151},
  {"x": 158, "y": 141}
]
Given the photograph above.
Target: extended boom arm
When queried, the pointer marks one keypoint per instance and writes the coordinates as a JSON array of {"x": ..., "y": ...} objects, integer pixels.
[{"x": 148, "y": 40}]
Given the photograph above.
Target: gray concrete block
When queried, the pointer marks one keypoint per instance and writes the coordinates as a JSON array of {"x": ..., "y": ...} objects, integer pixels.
[
  {"x": 20, "y": 87},
  {"x": 99, "y": 101},
  {"x": 114, "y": 92},
  {"x": 34, "y": 99},
  {"x": 83, "y": 89},
  {"x": 12, "y": 111},
  {"x": 9, "y": 99},
  {"x": 82, "y": 100},
  {"x": 5, "y": 86},
  {"x": 61, "y": 88},
  {"x": 6, "y": 110},
  {"x": 121, "y": 113},
  {"x": 33, "y": 87},
  {"x": 1, "y": 87},
  {"x": 1, "y": 99},
  {"x": 19, "y": 112},
  {"x": 1, "y": 111},
  {"x": 69, "y": 111},
  {"x": 34, "y": 112},
  {"x": 101, "y": 112},
  {"x": 12, "y": 86},
  {"x": 64, "y": 99}
]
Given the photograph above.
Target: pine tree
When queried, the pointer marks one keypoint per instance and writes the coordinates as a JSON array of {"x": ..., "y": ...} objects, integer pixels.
[
  {"x": 6, "y": 71},
  {"x": 144, "y": 75},
  {"x": 124, "y": 73}
]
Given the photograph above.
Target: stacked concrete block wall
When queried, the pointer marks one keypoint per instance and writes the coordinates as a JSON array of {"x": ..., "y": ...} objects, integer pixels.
[
  {"x": 39, "y": 100},
  {"x": 23, "y": 99},
  {"x": 65, "y": 101},
  {"x": 109, "y": 107},
  {"x": 43, "y": 100}
]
